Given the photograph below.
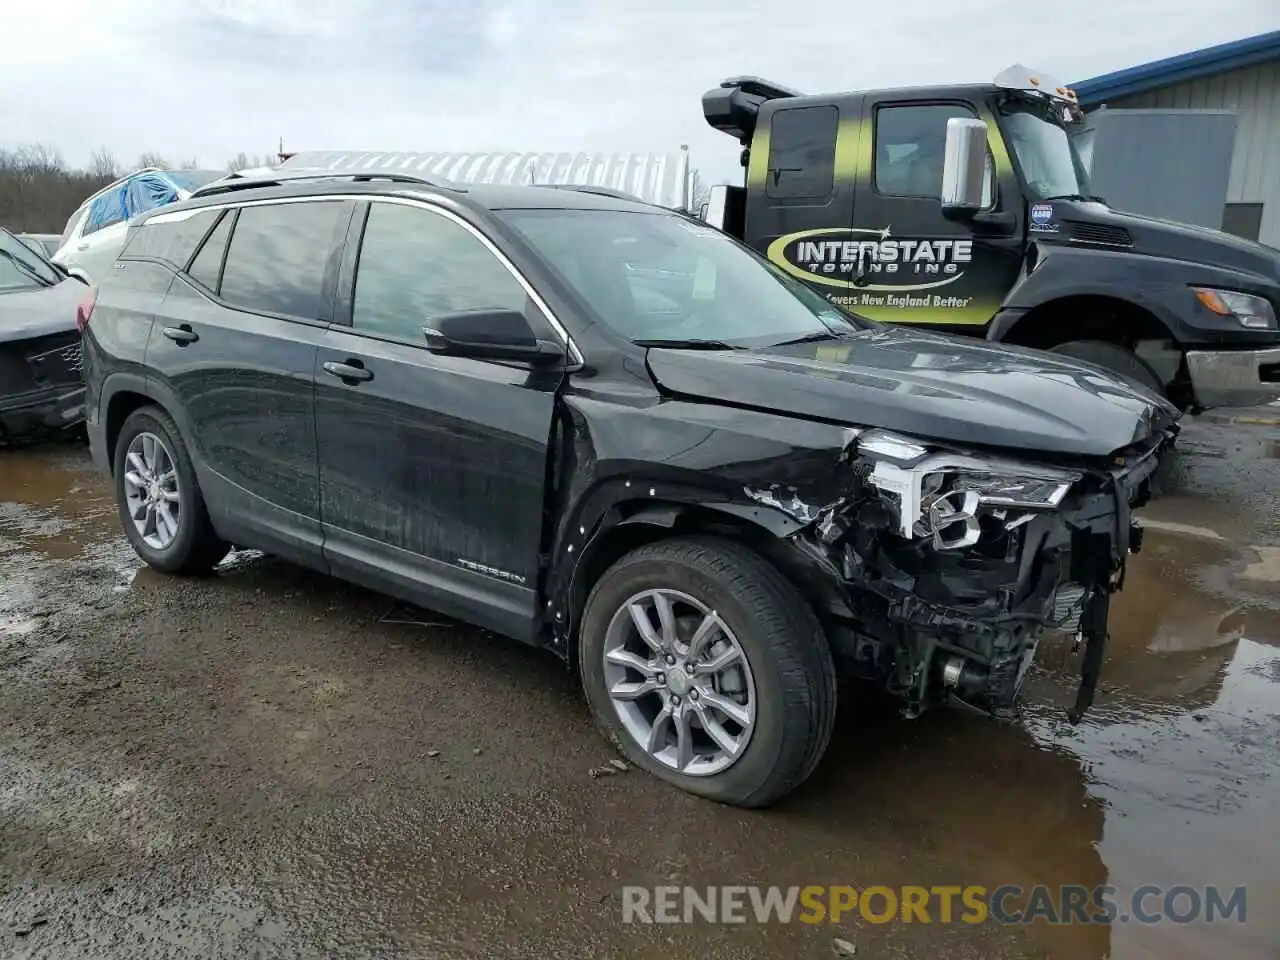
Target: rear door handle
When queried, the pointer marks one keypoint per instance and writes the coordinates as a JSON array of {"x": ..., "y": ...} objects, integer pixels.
[
  {"x": 353, "y": 371},
  {"x": 83, "y": 246},
  {"x": 181, "y": 335}
]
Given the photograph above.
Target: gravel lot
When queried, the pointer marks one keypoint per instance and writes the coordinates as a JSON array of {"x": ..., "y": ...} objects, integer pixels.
[{"x": 268, "y": 763}]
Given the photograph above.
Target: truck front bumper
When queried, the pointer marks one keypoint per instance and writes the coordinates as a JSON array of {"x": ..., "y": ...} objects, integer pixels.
[{"x": 1234, "y": 378}]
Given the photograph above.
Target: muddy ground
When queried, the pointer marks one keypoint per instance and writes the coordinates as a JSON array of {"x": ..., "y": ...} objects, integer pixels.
[{"x": 272, "y": 764}]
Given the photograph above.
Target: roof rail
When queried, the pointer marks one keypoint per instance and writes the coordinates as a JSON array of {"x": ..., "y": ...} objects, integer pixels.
[{"x": 280, "y": 178}]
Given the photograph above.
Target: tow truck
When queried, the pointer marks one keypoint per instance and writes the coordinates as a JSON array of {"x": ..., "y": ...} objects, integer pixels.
[{"x": 966, "y": 209}]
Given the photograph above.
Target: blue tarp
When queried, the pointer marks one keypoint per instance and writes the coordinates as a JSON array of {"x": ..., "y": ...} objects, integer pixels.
[{"x": 138, "y": 194}]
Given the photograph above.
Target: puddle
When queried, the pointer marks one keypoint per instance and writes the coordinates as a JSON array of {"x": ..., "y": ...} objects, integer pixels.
[
  {"x": 1181, "y": 751},
  {"x": 61, "y": 549},
  {"x": 1174, "y": 778}
]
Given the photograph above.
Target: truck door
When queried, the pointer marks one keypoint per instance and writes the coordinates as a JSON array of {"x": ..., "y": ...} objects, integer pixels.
[
  {"x": 920, "y": 267},
  {"x": 801, "y": 182}
]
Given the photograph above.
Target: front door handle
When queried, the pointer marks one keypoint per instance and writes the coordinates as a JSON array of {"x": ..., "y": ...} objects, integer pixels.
[
  {"x": 181, "y": 335},
  {"x": 83, "y": 246},
  {"x": 352, "y": 371}
]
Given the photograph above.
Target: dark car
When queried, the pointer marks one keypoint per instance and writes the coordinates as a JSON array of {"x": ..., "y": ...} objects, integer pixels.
[
  {"x": 599, "y": 427},
  {"x": 41, "y": 390}
]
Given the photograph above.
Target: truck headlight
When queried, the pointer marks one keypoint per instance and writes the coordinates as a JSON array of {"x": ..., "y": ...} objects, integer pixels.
[{"x": 1250, "y": 311}]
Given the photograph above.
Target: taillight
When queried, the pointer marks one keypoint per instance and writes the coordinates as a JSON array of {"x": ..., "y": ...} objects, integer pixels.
[{"x": 84, "y": 309}]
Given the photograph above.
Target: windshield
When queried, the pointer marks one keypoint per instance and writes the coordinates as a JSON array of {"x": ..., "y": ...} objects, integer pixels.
[
  {"x": 1050, "y": 164},
  {"x": 661, "y": 277},
  {"x": 21, "y": 268}
]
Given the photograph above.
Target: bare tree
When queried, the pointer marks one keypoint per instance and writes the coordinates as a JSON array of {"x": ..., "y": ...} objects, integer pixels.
[
  {"x": 192, "y": 164},
  {"x": 245, "y": 161},
  {"x": 699, "y": 191},
  {"x": 103, "y": 164},
  {"x": 37, "y": 193},
  {"x": 153, "y": 160},
  {"x": 38, "y": 157}
]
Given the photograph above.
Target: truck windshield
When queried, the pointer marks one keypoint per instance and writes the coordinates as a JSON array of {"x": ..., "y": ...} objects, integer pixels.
[
  {"x": 663, "y": 278},
  {"x": 1050, "y": 164}
]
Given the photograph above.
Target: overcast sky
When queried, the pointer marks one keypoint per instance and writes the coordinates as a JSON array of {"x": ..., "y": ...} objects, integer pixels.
[{"x": 210, "y": 78}]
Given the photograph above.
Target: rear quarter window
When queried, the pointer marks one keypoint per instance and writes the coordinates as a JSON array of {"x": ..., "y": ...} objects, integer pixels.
[{"x": 169, "y": 240}]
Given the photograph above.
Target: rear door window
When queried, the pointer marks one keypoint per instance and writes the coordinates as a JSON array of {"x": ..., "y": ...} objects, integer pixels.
[{"x": 278, "y": 255}]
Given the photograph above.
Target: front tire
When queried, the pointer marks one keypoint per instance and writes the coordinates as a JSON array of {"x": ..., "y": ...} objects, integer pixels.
[
  {"x": 706, "y": 667},
  {"x": 161, "y": 508},
  {"x": 1115, "y": 358}
]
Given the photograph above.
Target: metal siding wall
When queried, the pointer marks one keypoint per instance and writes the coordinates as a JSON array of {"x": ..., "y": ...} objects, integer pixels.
[
  {"x": 1173, "y": 165},
  {"x": 1255, "y": 167}
]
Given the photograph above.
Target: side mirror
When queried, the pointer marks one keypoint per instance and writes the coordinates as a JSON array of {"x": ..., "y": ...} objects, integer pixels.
[
  {"x": 489, "y": 334},
  {"x": 964, "y": 167}
]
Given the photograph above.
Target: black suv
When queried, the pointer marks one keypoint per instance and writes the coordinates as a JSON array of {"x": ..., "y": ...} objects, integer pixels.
[{"x": 604, "y": 428}]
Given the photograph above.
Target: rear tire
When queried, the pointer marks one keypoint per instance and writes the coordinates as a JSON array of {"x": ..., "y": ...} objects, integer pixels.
[
  {"x": 786, "y": 680},
  {"x": 185, "y": 543},
  {"x": 1114, "y": 358}
]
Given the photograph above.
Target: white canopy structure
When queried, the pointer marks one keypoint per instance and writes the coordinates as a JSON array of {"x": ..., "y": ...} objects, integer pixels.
[{"x": 659, "y": 178}]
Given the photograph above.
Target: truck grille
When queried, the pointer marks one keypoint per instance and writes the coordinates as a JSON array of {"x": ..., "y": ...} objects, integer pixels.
[{"x": 1100, "y": 233}]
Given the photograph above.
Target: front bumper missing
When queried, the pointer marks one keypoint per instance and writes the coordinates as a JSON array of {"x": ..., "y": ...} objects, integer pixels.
[
  {"x": 933, "y": 625},
  {"x": 1234, "y": 378}
]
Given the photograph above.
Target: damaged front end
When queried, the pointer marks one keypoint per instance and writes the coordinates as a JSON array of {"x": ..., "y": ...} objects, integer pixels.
[{"x": 954, "y": 564}]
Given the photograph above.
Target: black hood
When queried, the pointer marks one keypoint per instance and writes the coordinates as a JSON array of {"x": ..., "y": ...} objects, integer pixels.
[
  {"x": 928, "y": 385},
  {"x": 1086, "y": 222}
]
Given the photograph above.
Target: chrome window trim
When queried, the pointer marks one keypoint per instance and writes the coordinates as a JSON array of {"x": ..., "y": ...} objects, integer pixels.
[{"x": 575, "y": 355}]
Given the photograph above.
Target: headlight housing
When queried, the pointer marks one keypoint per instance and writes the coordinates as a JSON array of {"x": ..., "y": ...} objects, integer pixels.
[
  {"x": 1248, "y": 310},
  {"x": 942, "y": 496}
]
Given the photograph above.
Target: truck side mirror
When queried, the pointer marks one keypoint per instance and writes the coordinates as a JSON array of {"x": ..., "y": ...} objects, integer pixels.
[{"x": 964, "y": 167}]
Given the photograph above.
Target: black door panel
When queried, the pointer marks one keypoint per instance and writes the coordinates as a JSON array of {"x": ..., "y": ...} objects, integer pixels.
[
  {"x": 442, "y": 462},
  {"x": 236, "y": 347},
  {"x": 918, "y": 266},
  {"x": 801, "y": 186},
  {"x": 432, "y": 468},
  {"x": 247, "y": 388}
]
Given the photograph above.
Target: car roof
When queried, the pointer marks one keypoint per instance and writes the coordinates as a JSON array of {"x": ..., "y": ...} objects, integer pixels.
[{"x": 477, "y": 197}]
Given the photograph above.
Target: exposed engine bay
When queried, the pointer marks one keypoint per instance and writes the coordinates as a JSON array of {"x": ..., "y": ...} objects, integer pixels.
[{"x": 954, "y": 564}]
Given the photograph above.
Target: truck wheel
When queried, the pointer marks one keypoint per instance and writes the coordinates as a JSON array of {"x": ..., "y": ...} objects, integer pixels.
[
  {"x": 161, "y": 508},
  {"x": 705, "y": 667},
  {"x": 1115, "y": 358}
]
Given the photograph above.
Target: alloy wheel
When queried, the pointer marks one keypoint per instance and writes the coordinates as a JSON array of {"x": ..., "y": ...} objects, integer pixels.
[
  {"x": 151, "y": 490},
  {"x": 680, "y": 682}
]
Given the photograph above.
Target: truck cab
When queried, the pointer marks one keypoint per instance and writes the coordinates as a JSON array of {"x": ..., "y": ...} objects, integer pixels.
[{"x": 966, "y": 209}]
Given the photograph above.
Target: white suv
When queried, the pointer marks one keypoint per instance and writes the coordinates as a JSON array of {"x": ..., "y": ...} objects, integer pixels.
[{"x": 96, "y": 232}]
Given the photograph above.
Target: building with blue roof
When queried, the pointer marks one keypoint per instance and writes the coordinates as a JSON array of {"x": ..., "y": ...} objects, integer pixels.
[{"x": 1242, "y": 77}]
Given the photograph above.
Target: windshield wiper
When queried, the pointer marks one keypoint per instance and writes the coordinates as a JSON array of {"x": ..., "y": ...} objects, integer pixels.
[
  {"x": 816, "y": 337},
  {"x": 689, "y": 344},
  {"x": 1077, "y": 196},
  {"x": 23, "y": 268}
]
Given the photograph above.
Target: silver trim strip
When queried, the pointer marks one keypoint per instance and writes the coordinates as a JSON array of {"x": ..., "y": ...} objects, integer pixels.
[{"x": 575, "y": 355}]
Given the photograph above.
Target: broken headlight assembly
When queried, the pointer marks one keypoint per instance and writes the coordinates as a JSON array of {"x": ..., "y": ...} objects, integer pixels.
[{"x": 945, "y": 496}]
